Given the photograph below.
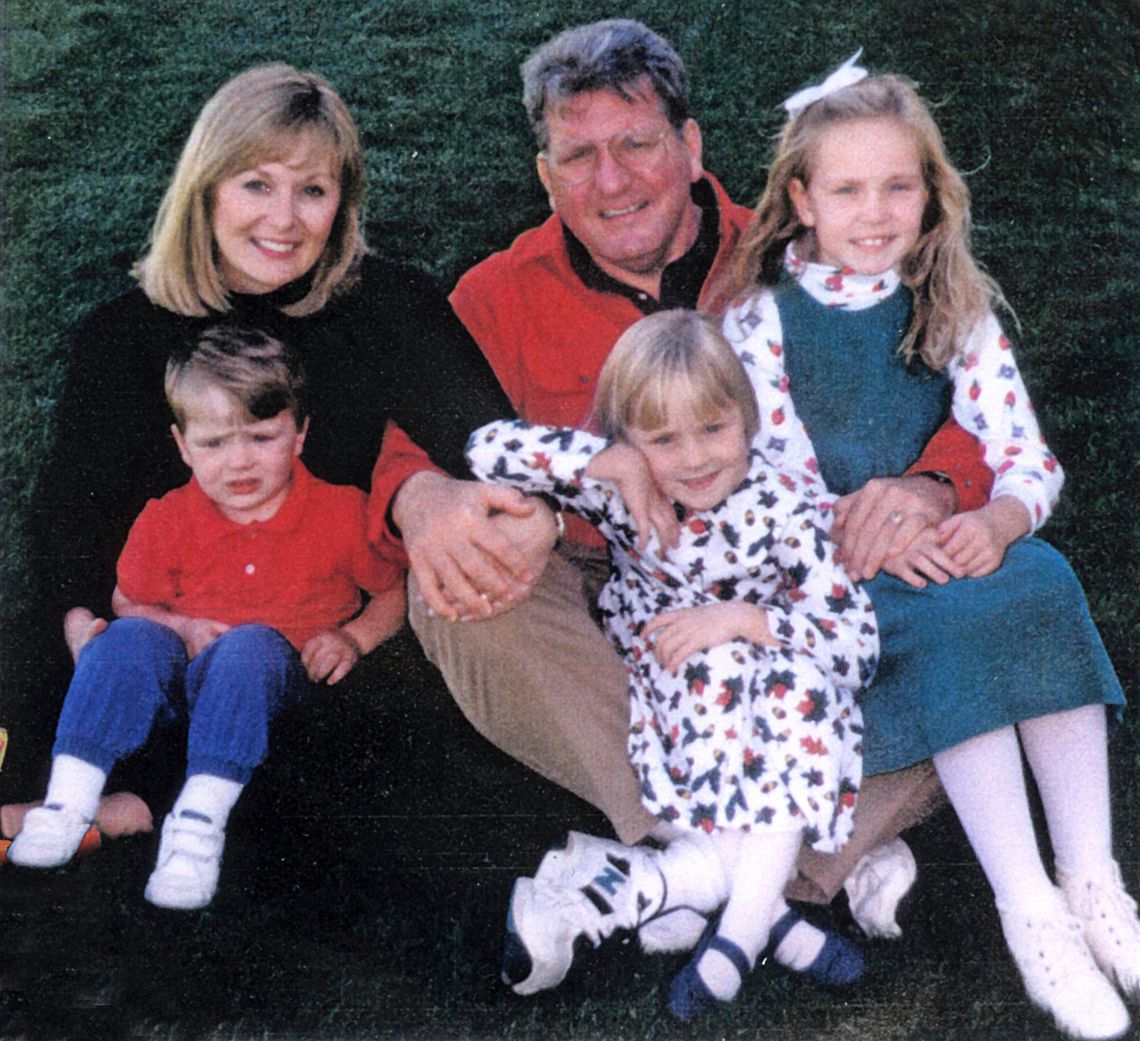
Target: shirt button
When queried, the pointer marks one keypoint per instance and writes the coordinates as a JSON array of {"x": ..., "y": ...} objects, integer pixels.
[
  {"x": 250, "y": 569},
  {"x": 583, "y": 379}
]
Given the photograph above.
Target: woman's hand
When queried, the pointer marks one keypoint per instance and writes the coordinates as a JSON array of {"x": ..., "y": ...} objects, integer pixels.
[
  {"x": 675, "y": 635},
  {"x": 883, "y": 517},
  {"x": 977, "y": 541},
  {"x": 462, "y": 547},
  {"x": 330, "y": 656},
  {"x": 80, "y": 627},
  {"x": 626, "y": 467}
]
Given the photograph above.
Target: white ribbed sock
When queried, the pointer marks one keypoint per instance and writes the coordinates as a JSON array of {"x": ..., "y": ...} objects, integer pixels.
[
  {"x": 76, "y": 785},
  {"x": 204, "y": 795},
  {"x": 761, "y": 867}
]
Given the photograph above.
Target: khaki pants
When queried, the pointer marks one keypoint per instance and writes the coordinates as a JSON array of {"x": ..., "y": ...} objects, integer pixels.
[{"x": 543, "y": 684}]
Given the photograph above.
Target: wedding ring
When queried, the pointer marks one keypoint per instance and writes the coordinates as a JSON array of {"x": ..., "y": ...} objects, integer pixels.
[{"x": 896, "y": 517}]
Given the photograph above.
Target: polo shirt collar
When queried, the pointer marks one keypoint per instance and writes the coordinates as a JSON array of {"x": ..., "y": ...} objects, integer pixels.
[
  {"x": 681, "y": 281},
  {"x": 210, "y": 524}
]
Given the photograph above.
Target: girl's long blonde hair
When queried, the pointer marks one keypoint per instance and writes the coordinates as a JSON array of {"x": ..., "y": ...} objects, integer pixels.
[
  {"x": 256, "y": 117},
  {"x": 951, "y": 292}
]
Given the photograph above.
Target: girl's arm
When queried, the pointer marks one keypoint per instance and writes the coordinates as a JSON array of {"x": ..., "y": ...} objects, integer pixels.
[
  {"x": 674, "y": 635},
  {"x": 990, "y": 401}
]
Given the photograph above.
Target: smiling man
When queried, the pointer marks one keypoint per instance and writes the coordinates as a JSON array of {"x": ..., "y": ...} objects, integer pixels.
[{"x": 637, "y": 226}]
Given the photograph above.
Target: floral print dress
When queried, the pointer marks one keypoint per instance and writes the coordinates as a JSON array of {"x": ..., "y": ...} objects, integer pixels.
[{"x": 744, "y": 736}]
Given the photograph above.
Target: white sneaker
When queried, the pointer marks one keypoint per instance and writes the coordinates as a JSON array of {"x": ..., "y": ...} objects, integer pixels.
[
  {"x": 543, "y": 922},
  {"x": 877, "y": 884},
  {"x": 185, "y": 876},
  {"x": 1060, "y": 975},
  {"x": 1112, "y": 930},
  {"x": 627, "y": 881},
  {"x": 49, "y": 837}
]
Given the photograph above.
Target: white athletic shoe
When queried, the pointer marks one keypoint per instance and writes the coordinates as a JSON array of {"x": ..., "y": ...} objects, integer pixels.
[
  {"x": 626, "y": 879},
  {"x": 590, "y": 887},
  {"x": 1108, "y": 915},
  {"x": 185, "y": 876},
  {"x": 1060, "y": 975},
  {"x": 49, "y": 837},
  {"x": 877, "y": 885}
]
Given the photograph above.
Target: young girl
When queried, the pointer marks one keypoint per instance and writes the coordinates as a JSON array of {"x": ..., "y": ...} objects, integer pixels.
[
  {"x": 870, "y": 320},
  {"x": 746, "y": 645}
]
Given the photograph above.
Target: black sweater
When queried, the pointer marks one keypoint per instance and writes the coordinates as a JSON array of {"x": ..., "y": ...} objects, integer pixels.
[{"x": 390, "y": 348}]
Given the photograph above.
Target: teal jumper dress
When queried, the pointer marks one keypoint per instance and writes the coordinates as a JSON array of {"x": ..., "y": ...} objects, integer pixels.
[{"x": 976, "y": 654}]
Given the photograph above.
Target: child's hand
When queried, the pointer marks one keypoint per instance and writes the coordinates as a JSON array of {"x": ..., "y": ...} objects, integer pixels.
[
  {"x": 977, "y": 540},
  {"x": 923, "y": 561},
  {"x": 80, "y": 627},
  {"x": 198, "y": 633},
  {"x": 330, "y": 656},
  {"x": 626, "y": 467},
  {"x": 677, "y": 634}
]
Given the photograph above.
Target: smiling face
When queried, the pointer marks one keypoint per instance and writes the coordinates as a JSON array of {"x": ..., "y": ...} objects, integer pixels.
[
  {"x": 633, "y": 222},
  {"x": 271, "y": 222},
  {"x": 244, "y": 466},
  {"x": 866, "y": 195},
  {"x": 696, "y": 460}
]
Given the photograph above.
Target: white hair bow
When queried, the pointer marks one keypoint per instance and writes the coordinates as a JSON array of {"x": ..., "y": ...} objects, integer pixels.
[{"x": 844, "y": 76}]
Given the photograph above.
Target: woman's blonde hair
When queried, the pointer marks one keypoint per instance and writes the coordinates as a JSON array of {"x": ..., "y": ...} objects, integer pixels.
[
  {"x": 651, "y": 356},
  {"x": 951, "y": 292},
  {"x": 254, "y": 118}
]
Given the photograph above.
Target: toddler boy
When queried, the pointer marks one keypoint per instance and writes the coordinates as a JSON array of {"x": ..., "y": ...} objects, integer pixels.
[{"x": 236, "y": 593}]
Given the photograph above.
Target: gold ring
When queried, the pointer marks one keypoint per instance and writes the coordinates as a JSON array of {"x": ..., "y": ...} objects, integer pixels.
[{"x": 896, "y": 517}]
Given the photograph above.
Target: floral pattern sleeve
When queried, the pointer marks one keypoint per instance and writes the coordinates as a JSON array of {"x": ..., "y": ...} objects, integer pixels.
[
  {"x": 819, "y": 609},
  {"x": 548, "y": 461},
  {"x": 990, "y": 401}
]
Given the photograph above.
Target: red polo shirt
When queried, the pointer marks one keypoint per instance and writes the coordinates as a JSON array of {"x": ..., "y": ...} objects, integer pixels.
[{"x": 300, "y": 572}]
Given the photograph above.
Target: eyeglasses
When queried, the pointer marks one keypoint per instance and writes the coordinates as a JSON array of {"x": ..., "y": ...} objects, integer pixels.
[{"x": 638, "y": 152}]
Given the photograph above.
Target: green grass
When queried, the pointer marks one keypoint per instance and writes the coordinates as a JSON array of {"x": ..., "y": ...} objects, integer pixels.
[{"x": 369, "y": 902}]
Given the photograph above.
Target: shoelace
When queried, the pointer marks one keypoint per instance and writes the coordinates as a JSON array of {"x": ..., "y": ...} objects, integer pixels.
[
  {"x": 1110, "y": 896},
  {"x": 1060, "y": 942}
]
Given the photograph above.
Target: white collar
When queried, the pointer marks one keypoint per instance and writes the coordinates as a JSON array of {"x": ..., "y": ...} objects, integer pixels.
[{"x": 839, "y": 287}]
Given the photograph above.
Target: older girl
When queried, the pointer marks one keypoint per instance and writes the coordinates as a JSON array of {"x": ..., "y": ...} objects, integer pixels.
[
  {"x": 864, "y": 320},
  {"x": 745, "y": 645}
]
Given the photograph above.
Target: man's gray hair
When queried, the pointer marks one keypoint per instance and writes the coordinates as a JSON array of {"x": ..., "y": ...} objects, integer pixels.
[{"x": 611, "y": 55}]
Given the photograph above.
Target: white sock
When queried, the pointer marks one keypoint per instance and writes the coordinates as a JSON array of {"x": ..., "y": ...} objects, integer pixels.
[
  {"x": 802, "y": 943},
  {"x": 762, "y": 864},
  {"x": 76, "y": 785},
  {"x": 204, "y": 795},
  {"x": 1068, "y": 754},
  {"x": 694, "y": 874},
  {"x": 985, "y": 782}
]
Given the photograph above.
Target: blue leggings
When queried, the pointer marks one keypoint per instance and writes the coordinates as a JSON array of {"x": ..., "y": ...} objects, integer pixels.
[{"x": 136, "y": 675}]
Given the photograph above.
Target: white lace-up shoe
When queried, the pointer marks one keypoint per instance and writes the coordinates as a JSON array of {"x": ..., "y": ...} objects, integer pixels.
[
  {"x": 1108, "y": 915},
  {"x": 1060, "y": 975},
  {"x": 627, "y": 880},
  {"x": 185, "y": 876},
  {"x": 49, "y": 837},
  {"x": 544, "y": 921},
  {"x": 590, "y": 888},
  {"x": 877, "y": 885}
]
